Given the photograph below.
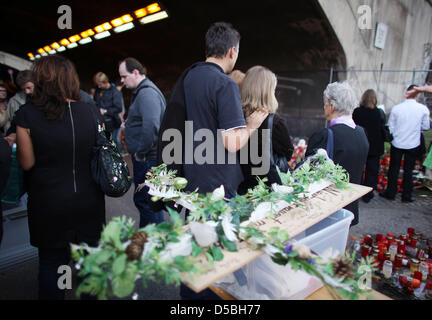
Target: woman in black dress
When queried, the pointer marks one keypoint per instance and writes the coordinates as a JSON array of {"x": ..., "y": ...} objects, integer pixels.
[
  {"x": 372, "y": 119},
  {"x": 350, "y": 142},
  {"x": 55, "y": 137}
]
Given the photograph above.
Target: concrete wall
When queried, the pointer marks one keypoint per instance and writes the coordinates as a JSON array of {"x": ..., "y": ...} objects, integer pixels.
[{"x": 408, "y": 44}]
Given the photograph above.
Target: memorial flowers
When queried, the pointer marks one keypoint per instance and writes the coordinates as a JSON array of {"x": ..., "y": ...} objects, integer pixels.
[{"x": 168, "y": 251}]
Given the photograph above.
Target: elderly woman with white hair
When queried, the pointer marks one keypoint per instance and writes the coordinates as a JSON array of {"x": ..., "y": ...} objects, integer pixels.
[{"x": 350, "y": 144}]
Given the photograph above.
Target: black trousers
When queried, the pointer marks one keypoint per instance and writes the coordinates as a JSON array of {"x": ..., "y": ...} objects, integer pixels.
[
  {"x": 410, "y": 156},
  {"x": 371, "y": 174}
]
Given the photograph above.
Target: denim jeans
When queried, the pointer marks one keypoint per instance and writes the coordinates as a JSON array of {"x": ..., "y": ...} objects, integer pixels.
[
  {"x": 142, "y": 198},
  {"x": 116, "y": 137}
]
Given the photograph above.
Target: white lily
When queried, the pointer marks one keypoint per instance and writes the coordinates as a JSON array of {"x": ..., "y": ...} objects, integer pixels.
[
  {"x": 282, "y": 189},
  {"x": 263, "y": 210},
  {"x": 329, "y": 255},
  {"x": 218, "y": 194},
  {"x": 270, "y": 249},
  {"x": 228, "y": 228},
  {"x": 204, "y": 233},
  {"x": 175, "y": 249},
  {"x": 85, "y": 246}
]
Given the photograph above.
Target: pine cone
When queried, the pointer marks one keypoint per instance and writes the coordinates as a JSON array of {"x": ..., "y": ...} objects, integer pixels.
[
  {"x": 139, "y": 238},
  {"x": 134, "y": 251},
  {"x": 342, "y": 268}
]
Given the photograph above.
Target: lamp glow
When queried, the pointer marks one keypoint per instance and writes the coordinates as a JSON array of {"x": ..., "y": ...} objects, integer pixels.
[
  {"x": 140, "y": 13},
  {"x": 74, "y": 38},
  {"x": 61, "y": 49},
  {"x": 85, "y": 40},
  {"x": 64, "y": 42},
  {"x": 87, "y": 33},
  {"x": 40, "y": 50},
  {"x": 154, "y": 17},
  {"x": 72, "y": 45},
  {"x": 47, "y": 48},
  {"x": 55, "y": 45},
  {"x": 153, "y": 8},
  {"x": 102, "y": 35},
  {"x": 124, "y": 27}
]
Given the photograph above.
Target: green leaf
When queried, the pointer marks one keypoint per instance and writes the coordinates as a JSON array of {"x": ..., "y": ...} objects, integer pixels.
[
  {"x": 217, "y": 253},
  {"x": 164, "y": 227},
  {"x": 196, "y": 250},
  {"x": 119, "y": 264},
  {"x": 111, "y": 234},
  {"x": 103, "y": 256},
  {"x": 173, "y": 238},
  {"x": 329, "y": 269},
  {"x": 279, "y": 259},
  {"x": 210, "y": 259},
  {"x": 229, "y": 245},
  {"x": 124, "y": 284}
]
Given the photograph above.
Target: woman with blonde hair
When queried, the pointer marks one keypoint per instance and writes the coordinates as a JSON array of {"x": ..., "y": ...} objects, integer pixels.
[
  {"x": 372, "y": 119},
  {"x": 258, "y": 93}
]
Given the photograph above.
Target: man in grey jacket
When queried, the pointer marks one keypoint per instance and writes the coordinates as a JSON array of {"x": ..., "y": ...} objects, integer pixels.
[{"x": 141, "y": 131}]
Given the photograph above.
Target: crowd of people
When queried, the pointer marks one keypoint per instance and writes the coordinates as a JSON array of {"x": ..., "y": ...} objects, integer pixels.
[{"x": 50, "y": 120}]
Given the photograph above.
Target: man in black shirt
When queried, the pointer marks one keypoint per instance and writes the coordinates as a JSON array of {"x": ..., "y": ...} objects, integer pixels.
[{"x": 214, "y": 118}]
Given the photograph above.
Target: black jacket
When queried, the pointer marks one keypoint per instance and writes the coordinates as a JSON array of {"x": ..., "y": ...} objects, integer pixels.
[
  {"x": 350, "y": 151},
  {"x": 373, "y": 124},
  {"x": 111, "y": 100}
]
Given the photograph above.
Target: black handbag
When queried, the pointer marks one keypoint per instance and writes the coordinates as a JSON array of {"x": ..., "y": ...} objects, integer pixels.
[{"x": 109, "y": 170}]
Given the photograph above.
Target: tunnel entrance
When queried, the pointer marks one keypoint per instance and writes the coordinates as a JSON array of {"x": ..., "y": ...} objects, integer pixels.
[{"x": 292, "y": 38}]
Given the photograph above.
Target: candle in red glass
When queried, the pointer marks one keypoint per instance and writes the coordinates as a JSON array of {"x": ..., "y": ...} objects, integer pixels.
[
  {"x": 411, "y": 232},
  {"x": 401, "y": 248},
  {"x": 378, "y": 237},
  {"x": 367, "y": 240},
  {"x": 398, "y": 262},
  {"x": 391, "y": 235},
  {"x": 418, "y": 275},
  {"x": 365, "y": 251},
  {"x": 403, "y": 280}
]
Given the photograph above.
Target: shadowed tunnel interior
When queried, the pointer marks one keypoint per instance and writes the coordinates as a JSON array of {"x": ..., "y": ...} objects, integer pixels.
[{"x": 292, "y": 38}]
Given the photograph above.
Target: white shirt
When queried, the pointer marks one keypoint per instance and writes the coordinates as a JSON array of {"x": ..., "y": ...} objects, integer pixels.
[{"x": 406, "y": 122}]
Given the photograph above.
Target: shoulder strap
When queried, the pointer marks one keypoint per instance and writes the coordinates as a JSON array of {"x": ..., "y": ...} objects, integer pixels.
[
  {"x": 330, "y": 143},
  {"x": 270, "y": 120}
]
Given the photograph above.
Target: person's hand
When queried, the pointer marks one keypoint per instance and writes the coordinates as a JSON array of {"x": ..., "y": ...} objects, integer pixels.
[
  {"x": 427, "y": 88},
  {"x": 122, "y": 126},
  {"x": 102, "y": 111},
  {"x": 11, "y": 139},
  {"x": 255, "y": 120}
]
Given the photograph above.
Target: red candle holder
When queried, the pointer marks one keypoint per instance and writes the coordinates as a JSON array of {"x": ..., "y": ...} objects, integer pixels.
[
  {"x": 365, "y": 251},
  {"x": 378, "y": 237}
]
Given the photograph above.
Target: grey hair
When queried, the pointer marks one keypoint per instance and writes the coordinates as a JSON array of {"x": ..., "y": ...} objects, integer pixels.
[{"x": 342, "y": 96}]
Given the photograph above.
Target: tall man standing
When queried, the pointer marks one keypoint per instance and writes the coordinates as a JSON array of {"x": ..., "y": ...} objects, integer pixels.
[
  {"x": 141, "y": 131},
  {"x": 209, "y": 99},
  {"x": 406, "y": 122}
]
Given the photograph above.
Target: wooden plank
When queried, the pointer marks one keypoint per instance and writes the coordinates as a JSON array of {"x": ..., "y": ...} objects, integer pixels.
[{"x": 294, "y": 219}]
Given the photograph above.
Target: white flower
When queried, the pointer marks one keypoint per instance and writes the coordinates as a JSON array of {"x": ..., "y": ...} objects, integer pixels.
[
  {"x": 228, "y": 228},
  {"x": 255, "y": 241},
  {"x": 302, "y": 143},
  {"x": 270, "y": 249},
  {"x": 329, "y": 255},
  {"x": 322, "y": 152},
  {"x": 218, "y": 194},
  {"x": 263, "y": 210},
  {"x": 303, "y": 251},
  {"x": 282, "y": 189},
  {"x": 204, "y": 233},
  {"x": 175, "y": 249}
]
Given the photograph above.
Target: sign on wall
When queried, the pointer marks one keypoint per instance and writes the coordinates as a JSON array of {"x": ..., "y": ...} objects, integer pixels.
[{"x": 381, "y": 35}]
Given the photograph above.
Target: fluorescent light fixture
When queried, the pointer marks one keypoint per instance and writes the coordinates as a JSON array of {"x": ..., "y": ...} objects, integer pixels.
[
  {"x": 52, "y": 52},
  {"x": 102, "y": 35},
  {"x": 61, "y": 49},
  {"x": 154, "y": 17},
  {"x": 124, "y": 27},
  {"x": 72, "y": 45},
  {"x": 44, "y": 54},
  {"x": 37, "y": 56},
  {"x": 47, "y": 48},
  {"x": 31, "y": 55},
  {"x": 32, "y": 58},
  {"x": 153, "y": 8},
  {"x": 85, "y": 40}
]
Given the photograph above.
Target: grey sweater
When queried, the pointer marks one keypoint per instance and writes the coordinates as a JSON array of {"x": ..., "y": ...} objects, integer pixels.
[{"x": 144, "y": 119}]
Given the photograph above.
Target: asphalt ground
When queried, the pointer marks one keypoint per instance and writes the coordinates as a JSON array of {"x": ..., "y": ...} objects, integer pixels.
[{"x": 378, "y": 216}]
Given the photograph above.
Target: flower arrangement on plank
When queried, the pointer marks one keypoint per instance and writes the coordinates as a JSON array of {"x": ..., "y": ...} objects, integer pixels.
[{"x": 167, "y": 251}]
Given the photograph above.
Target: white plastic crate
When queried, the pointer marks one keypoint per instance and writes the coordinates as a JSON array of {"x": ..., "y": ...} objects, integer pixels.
[
  {"x": 331, "y": 232},
  {"x": 263, "y": 279}
]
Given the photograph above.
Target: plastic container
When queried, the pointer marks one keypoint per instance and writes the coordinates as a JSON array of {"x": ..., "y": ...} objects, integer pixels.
[
  {"x": 263, "y": 279},
  {"x": 331, "y": 232}
]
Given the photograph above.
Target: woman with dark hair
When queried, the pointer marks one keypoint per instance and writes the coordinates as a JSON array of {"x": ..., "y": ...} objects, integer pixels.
[
  {"x": 55, "y": 137},
  {"x": 372, "y": 119}
]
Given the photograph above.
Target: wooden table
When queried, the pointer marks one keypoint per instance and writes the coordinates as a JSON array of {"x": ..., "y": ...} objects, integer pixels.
[{"x": 321, "y": 294}]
